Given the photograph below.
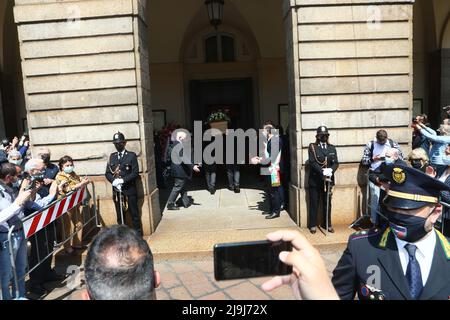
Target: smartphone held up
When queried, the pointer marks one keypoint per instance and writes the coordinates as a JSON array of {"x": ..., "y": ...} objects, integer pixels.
[{"x": 242, "y": 260}]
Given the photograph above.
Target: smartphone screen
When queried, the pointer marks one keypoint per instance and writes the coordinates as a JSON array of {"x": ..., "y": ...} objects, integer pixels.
[{"x": 250, "y": 259}]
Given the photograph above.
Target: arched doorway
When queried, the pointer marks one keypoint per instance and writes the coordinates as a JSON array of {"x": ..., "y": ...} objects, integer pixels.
[{"x": 13, "y": 111}]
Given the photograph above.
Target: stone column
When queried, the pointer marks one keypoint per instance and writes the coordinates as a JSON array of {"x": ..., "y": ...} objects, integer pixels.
[
  {"x": 86, "y": 76},
  {"x": 349, "y": 68}
]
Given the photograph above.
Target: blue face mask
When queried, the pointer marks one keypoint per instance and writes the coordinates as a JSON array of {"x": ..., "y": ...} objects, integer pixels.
[
  {"x": 389, "y": 160},
  {"x": 446, "y": 160},
  {"x": 68, "y": 170}
]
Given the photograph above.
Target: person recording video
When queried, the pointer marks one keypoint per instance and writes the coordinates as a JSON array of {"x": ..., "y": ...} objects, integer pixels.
[{"x": 42, "y": 241}]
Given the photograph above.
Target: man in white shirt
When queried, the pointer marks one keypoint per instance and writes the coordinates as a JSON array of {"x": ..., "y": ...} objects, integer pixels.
[
  {"x": 409, "y": 259},
  {"x": 373, "y": 156}
]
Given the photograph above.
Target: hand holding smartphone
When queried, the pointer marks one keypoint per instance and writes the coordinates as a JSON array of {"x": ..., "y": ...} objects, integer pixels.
[{"x": 243, "y": 260}]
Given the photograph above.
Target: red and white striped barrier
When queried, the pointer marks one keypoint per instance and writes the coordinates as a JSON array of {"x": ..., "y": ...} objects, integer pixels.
[{"x": 44, "y": 218}]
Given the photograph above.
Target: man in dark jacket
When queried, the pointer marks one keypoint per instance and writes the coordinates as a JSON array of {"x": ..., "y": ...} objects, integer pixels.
[
  {"x": 407, "y": 260},
  {"x": 122, "y": 171},
  {"x": 181, "y": 170},
  {"x": 323, "y": 162}
]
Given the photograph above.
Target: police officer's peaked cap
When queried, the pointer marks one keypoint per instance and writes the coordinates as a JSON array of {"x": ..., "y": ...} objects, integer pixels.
[
  {"x": 410, "y": 188},
  {"x": 322, "y": 130},
  {"x": 118, "y": 137}
]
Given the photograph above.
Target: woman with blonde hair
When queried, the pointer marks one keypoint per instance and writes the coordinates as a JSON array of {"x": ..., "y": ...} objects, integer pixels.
[
  {"x": 73, "y": 219},
  {"x": 418, "y": 158}
]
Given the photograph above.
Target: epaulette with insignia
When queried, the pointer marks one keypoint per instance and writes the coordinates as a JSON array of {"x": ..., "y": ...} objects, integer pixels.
[
  {"x": 365, "y": 234},
  {"x": 445, "y": 244}
]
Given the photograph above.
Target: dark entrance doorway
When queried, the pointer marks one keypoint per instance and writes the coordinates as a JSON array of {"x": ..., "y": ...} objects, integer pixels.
[{"x": 208, "y": 96}]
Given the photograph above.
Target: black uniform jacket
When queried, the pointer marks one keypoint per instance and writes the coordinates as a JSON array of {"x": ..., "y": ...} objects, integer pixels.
[
  {"x": 129, "y": 171},
  {"x": 376, "y": 249},
  {"x": 315, "y": 174},
  {"x": 181, "y": 167}
]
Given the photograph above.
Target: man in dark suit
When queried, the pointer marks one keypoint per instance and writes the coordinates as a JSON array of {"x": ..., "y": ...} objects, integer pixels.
[
  {"x": 408, "y": 259},
  {"x": 323, "y": 162},
  {"x": 122, "y": 171},
  {"x": 181, "y": 170}
]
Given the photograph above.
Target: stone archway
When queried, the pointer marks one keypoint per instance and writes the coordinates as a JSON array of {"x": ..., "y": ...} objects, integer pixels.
[{"x": 13, "y": 113}]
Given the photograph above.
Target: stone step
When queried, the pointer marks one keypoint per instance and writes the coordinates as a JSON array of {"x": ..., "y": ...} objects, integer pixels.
[{"x": 199, "y": 244}]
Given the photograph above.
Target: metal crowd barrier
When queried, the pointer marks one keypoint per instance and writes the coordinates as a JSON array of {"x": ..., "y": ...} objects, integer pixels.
[{"x": 46, "y": 222}]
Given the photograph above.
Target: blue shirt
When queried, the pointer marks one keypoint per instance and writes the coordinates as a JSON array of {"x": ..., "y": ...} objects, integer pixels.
[{"x": 439, "y": 145}]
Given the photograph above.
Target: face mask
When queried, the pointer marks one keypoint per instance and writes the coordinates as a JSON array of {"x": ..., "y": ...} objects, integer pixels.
[
  {"x": 68, "y": 170},
  {"x": 446, "y": 160},
  {"x": 16, "y": 162},
  {"x": 389, "y": 161},
  {"x": 45, "y": 158},
  {"x": 416, "y": 164},
  {"x": 119, "y": 147},
  {"x": 406, "y": 227}
]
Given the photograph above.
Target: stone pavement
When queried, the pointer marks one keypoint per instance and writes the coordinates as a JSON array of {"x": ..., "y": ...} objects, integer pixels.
[
  {"x": 224, "y": 217},
  {"x": 193, "y": 279}
]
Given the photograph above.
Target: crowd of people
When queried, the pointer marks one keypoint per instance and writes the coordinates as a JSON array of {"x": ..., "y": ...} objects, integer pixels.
[
  {"x": 28, "y": 184},
  {"x": 430, "y": 154}
]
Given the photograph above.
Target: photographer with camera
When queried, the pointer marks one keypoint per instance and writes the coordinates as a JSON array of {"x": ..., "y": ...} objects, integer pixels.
[
  {"x": 418, "y": 139},
  {"x": 12, "y": 207},
  {"x": 42, "y": 241}
]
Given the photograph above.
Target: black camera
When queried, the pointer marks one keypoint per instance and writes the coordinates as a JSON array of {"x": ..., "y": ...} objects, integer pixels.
[{"x": 38, "y": 177}]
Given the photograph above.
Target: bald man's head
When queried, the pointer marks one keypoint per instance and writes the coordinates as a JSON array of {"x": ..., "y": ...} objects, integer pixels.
[{"x": 119, "y": 266}]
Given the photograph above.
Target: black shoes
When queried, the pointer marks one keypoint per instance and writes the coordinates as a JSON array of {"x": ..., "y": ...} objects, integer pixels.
[
  {"x": 237, "y": 190},
  {"x": 313, "y": 230},
  {"x": 330, "y": 230},
  {"x": 273, "y": 216},
  {"x": 230, "y": 188},
  {"x": 172, "y": 207},
  {"x": 212, "y": 190},
  {"x": 265, "y": 213}
]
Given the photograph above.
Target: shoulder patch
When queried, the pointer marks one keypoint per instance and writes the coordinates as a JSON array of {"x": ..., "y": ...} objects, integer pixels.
[
  {"x": 445, "y": 244},
  {"x": 365, "y": 234}
]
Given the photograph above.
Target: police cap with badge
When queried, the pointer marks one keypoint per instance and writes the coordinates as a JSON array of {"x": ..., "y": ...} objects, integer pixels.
[{"x": 410, "y": 189}]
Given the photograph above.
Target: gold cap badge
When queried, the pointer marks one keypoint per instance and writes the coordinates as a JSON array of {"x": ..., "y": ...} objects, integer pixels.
[{"x": 398, "y": 175}]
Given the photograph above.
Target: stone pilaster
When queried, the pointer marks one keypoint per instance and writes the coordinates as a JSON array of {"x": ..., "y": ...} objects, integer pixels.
[
  {"x": 85, "y": 73},
  {"x": 350, "y": 68}
]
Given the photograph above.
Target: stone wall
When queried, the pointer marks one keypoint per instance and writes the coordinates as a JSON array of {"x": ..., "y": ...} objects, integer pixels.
[
  {"x": 85, "y": 72},
  {"x": 350, "y": 68}
]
